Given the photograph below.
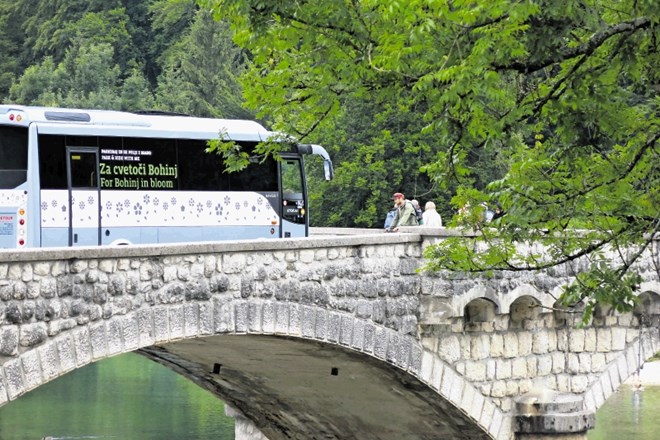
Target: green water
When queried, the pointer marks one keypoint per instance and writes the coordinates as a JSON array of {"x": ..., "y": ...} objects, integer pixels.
[
  {"x": 629, "y": 415},
  {"x": 127, "y": 397}
]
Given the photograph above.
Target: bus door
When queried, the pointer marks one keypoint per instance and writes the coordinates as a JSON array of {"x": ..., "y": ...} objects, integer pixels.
[
  {"x": 84, "y": 196},
  {"x": 294, "y": 208}
]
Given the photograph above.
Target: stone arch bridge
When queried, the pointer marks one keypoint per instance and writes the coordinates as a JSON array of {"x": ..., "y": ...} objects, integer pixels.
[{"x": 329, "y": 337}]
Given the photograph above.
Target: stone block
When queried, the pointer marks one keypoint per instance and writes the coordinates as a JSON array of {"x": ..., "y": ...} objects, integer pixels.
[
  {"x": 491, "y": 369},
  {"x": 475, "y": 371},
  {"x": 540, "y": 342},
  {"x": 576, "y": 338},
  {"x": 584, "y": 360},
  {"x": 448, "y": 378},
  {"x": 161, "y": 322},
  {"x": 496, "y": 346},
  {"x": 503, "y": 370},
  {"x": 498, "y": 389},
  {"x": 618, "y": 338},
  {"x": 598, "y": 362},
  {"x": 437, "y": 373},
  {"x": 519, "y": 368},
  {"x": 176, "y": 320},
  {"x": 254, "y": 317},
  {"x": 590, "y": 339},
  {"x": 435, "y": 310},
  {"x": 603, "y": 339},
  {"x": 190, "y": 319},
  {"x": 524, "y": 344},
  {"x": 334, "y": 329},
  {"x": 268, "y": 317},
  {"x": 573, "y": 363},
  {"x": 114, "y": 332},
  {"x": 14, "y": 378},
  {"x": 380, "y": 342},
  {"x": 346, "y": 330},
  {"x": 558, "y": 362},
  {"x": 532, "y": 366},
  {"x": 510, "y": 345},
  {"x": 426, "y": 370},
  {"x": 9, "y": 340},
  {"x": 41, "y": 269},
  {"x": 294, "y": 319},
  {"x": 480, "y": 347},
  {"x": 450, "y": 349},
  {"x": 467, "y": 398},
  {"x": 66, "y": 352},
  {"x": 206, "y": 318},
  {"x": 487, "y": 413},
  {"x": 50, "y": 361},
  {"x": 457, "y": 389},
  {"x": 32, "y": 369}
]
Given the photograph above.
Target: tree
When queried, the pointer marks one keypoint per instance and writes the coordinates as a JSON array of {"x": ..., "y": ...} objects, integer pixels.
[
  {"x": 200, "y": 72},
  {"x": 561, "y": 97}
]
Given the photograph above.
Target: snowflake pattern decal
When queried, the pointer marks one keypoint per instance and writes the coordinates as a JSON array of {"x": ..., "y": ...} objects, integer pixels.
[{"x": 242, "y": 209}]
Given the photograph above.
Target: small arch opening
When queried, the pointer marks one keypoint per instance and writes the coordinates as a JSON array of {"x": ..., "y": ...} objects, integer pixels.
[
  {"x": 647, "y": 309},
  {"x": 524, "y": 312},
  {"x": 479, "y": 314},
  {"x": 567, "y": 315}
]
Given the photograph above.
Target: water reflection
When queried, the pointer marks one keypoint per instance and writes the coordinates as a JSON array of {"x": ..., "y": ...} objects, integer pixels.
[
  {"x": 129, "y": 397},
  {"x": 629, "y": 414},
  {"x": 126, "y": 397}
]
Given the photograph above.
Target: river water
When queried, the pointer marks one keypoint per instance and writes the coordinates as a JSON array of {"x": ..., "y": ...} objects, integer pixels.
[{"x": 129, "y": 397}]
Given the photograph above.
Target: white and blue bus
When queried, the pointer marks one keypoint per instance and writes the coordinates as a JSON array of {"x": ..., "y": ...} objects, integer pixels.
[{"x": 72, "y": 177}]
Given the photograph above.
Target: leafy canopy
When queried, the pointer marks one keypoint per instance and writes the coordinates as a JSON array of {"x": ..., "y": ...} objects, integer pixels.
[{"x": 562, "y": 97}]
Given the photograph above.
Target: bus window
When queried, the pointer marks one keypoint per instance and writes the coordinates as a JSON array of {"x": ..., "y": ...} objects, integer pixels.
[
  {"x": 83, "y": 169},
  {"x": 291, "y": 178},
  {"x": 293, "y": 199},
  {"x": 13, "y": 156},
  {"x": 199, "y": 170},
  {"x": 259, "y": 177}
]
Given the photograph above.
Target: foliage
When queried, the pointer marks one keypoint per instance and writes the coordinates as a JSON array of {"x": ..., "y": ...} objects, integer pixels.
[
  {"x": 201, "y": 70},
  {"x": 559, "y": 98},
  {"x": 119, "y": 54}
]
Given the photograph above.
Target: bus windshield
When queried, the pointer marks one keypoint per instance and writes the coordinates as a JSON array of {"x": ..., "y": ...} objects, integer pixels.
[{"x": 13, "y": 156}]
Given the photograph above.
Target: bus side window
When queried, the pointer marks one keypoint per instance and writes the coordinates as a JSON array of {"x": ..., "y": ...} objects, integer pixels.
[
  {"x": 13, "y": 156},
  {"x": 52, "y": 162},
  {"x": 291, "y": 178}
]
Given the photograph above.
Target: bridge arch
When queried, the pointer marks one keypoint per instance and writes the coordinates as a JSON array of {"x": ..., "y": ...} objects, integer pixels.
[
  {"x": 172, "y": 334},
  {"x": 359, "y": 296}
]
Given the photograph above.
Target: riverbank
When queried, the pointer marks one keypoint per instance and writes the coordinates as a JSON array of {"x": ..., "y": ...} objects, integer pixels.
[{"x": 649, "y": 375}]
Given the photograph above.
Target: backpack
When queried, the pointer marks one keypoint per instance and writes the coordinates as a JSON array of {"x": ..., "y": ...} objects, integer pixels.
[{"x": 418, "y": 213}]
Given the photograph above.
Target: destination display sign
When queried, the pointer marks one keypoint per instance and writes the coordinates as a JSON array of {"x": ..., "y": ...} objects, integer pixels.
[{"x": 138, "y": 168}]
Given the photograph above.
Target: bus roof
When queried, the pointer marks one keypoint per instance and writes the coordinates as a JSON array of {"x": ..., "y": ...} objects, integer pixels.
[{"x": 150, "y": 124}]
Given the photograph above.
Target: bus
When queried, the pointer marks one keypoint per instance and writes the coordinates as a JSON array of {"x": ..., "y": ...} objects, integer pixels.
[{"x": 73, "y": 177}]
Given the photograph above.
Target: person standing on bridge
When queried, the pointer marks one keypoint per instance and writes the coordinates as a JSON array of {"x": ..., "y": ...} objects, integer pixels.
[
  {"x": 405, "y": 214},
  {"x": 431, "y": 217}
]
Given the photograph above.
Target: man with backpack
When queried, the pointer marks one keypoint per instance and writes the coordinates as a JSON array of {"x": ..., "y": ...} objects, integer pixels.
[{"x": 405, "y": 213}]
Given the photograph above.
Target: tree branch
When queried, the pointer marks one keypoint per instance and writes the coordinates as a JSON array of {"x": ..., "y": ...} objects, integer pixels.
[{"x": 587, "y": 48}]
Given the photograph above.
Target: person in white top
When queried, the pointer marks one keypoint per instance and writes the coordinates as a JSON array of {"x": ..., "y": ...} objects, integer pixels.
[{"x": 431, "y": 217}]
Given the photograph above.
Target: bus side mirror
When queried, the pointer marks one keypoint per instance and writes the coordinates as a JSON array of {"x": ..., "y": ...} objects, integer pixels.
[{"x": 327, "y": 168}]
